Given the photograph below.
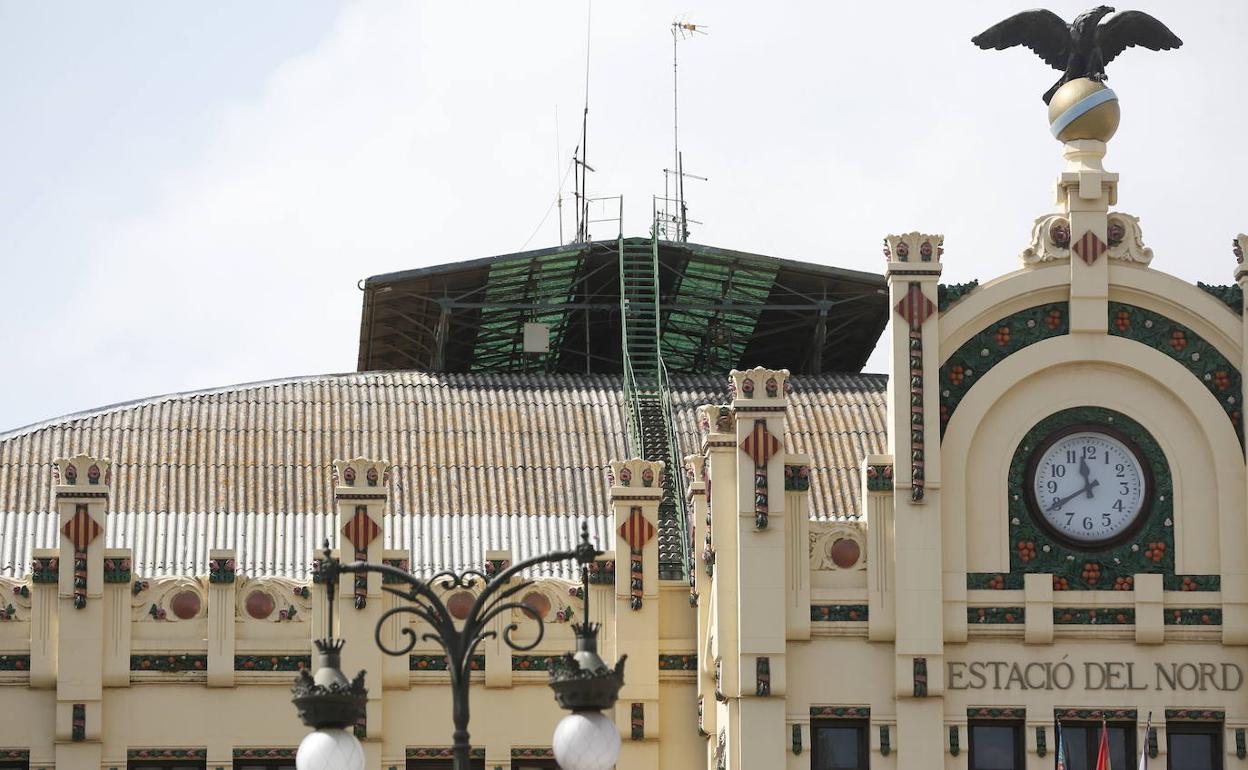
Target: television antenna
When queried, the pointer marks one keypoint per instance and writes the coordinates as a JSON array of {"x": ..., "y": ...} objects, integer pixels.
[{"x": 671, "y": 218}]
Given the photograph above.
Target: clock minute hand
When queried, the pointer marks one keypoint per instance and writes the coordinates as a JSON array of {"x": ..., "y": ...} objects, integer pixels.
[{"x": 1087, "y": 488}]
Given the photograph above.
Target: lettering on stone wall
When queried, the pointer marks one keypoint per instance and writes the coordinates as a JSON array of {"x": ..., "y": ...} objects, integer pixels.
[{"x": 1093, "y": 675}]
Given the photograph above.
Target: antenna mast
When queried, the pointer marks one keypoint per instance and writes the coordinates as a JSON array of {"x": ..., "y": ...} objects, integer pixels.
[{"x": 673, "y": 222}]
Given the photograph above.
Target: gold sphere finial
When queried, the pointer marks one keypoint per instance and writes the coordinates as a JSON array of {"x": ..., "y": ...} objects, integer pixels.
[{"x": 1084, "y": 109}]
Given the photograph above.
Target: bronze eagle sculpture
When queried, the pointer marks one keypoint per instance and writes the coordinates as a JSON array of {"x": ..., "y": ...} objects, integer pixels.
[{"x": 1082, "y": 49}]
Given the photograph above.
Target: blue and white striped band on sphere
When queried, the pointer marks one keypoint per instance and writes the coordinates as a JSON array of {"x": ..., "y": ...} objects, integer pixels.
[{"x": 1081, "y": 108}]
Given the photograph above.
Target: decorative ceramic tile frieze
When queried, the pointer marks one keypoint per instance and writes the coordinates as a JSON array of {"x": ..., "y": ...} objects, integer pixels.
[
  {"x": 994, "y": 581},
  {"x": 191, "y": 754},
  {"x": 1219, "y": 376},
  {"x": 285, "y": 754},
  {"x": 879, "y": 478},
  {"x": 797, "y": 740},
  {"x": 117, "y": 571},
  {"x": 78, "y": 723},
  {"x": 920, "y": 677},
  {"x": 272, "y": 662},
  {"x": 1093, "y": 616},
  {"x": 1193, "y": 616},
  {"x": 1095, "y": 715},
  {"x": 996, "y": 713},
  {"x": 400, "y": 564},
  {"x": 441, "y": 752},
  {"x": 669, "y": 662},
  {"x": 1192, "y": 582},
  {"x": 637, "y": 721},
  {"x": 840, "y": 712},
  {"x": 996, "y": 342},
  {"x": 1195, "y": 715},
  {"x": 45, "y": 569},
  {"x": 1232, "y": 296},
  {"x": 169, "y": 663},
  {"x": 838, "y": 612},
  {"x": 14, "y": 662},
  {"x": 948, "y": 294},
  {"x": 1042, "y": 742},
  {"x": 796, "y": 478},
  {"x": 886, "y": 744},
  {"x": 221, "y": 571},
  {"x": 955, "y": 746},
  {"x": 532, "y": 662},
  {"x": 762, "y": 676},
  {"x": 439, "y": 662},
  {"x": 995, "y": 615},
  {"x": 532, "y": 753},
  {"x": 602, "y": 572}
]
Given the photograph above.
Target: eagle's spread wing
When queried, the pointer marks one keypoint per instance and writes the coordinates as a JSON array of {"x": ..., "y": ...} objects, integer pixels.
[
  {"x": 1129, "y": 28},
  {"x": 1042, "y": 31}
]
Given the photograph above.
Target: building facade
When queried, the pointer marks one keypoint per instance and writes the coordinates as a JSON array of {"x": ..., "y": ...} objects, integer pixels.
[{"x": 1039, "y": 520}]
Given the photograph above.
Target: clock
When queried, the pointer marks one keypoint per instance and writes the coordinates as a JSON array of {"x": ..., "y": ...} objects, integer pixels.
[{"x": 1089, "y": 486}]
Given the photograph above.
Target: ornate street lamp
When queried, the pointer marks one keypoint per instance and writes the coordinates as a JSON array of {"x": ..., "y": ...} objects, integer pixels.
[{"x": 583, "y": 683}]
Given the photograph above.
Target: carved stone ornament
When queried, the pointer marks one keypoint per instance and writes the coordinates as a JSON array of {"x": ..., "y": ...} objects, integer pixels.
[
  {"x": 361, "y": 473},
  {"x": 273, "y": 599},
  {"x": 837, "y": 546},
  {"x": 170, "y": 599},
  {"x": 1239, "y": 246},
  {"x": 759, "y": 384},
  {"x": 82, "y": 470},
  {"x": 1050, "y": 240},
  {"x": 716, "y": 418},
  {"x": 914, "y": 247},
  {"x": 694, "y": 468},
  {"x": 1126, "y": 241},
  {"x": 14, "y": 599},
  {"x": 632, "y": 473}
]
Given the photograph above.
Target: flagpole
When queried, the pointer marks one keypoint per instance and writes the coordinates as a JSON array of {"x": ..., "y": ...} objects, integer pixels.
[{"x": 1148, "y": 728}]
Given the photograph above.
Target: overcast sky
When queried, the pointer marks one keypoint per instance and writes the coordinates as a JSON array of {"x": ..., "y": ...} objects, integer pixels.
[{"x": 189, "y": 192}]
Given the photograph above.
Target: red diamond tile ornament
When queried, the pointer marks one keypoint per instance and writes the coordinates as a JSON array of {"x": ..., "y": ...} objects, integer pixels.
[
  {"x": 636, "y": 530},
  {"x": 1089, "y": 247},
  {"x": 915, "y": 307},
  {"x": 760, "y": 445},
  {"x": 361, "y": 530},
  {"x": 81, "y": 529}
]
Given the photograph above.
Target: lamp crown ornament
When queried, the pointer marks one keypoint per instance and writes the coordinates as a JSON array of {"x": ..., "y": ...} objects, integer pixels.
[{"x": 327, "y": 699}]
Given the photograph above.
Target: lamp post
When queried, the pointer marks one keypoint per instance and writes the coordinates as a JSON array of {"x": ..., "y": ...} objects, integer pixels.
[{"x": 583, "y": 683}]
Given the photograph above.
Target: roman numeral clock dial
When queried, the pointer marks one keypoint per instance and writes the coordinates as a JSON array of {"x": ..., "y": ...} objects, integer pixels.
[{"x": 1089, "y": 487}]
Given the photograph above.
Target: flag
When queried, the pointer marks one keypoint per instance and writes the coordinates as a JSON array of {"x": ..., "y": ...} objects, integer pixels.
[
  {"x": 1144, "y": 749},
  {"x": 1061, "y": 749},
  {"x": 1102, "y": 751}
]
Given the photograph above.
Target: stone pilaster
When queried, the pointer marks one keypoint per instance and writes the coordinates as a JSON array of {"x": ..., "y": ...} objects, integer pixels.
[
  {"x": 222, "y": 600},
  {"x": 118, "y": 577},
  {"x": 797, "y": 548},
  {"x": 877, "y": 500},
  {"x": 914, "y": 268},
  {"x": 1085, "y": 191},
  {"x": 720, "y": 641},
  {"x": 497, "y": 653},
  {"x": 759, "y": 402},
  {"x": 636, "y": 488},
  {"x": 361, "y": 489},
  {"x": 81, "y": 501}
]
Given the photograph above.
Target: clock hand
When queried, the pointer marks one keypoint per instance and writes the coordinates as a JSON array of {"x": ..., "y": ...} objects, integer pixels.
[
  {"x": 1087, "y": 488},
  {"x": 1086, "y": 472}
]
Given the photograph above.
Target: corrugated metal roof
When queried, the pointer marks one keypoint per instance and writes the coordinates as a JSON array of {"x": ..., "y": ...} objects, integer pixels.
[{"x": 249, "y": 466}]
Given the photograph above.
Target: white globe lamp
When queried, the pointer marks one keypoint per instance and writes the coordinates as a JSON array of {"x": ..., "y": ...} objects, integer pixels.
[
  {"x": 586, "y": 740},
  {"x": 330, "y": 749}
]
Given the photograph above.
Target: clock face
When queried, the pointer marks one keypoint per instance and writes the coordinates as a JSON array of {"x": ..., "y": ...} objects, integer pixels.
[{"x": 1089, "y": 486}]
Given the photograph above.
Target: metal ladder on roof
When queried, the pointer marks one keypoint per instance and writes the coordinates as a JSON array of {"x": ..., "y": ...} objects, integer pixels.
[{"x": 652, "y": 434}]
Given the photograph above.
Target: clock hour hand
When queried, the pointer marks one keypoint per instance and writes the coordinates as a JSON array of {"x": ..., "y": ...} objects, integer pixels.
[
  {"x": 1086, "y": 472},
  {"x": 1062, "y": 501}
]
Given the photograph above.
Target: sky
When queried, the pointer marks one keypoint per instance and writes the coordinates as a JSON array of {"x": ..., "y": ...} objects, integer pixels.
[{"x": 191, "y": 192}]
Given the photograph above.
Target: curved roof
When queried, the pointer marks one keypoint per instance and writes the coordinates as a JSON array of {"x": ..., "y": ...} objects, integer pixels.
[
  {"x": 476, "y": 457},
  {"x": 720, "y": 309}
]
